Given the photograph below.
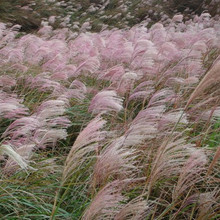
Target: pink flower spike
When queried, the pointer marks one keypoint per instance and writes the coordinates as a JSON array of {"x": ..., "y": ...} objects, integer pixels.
[
  {"x": 106, "y": 101},
  {"x": 106, "y": 203},
  {"x": 178, "y": 18}
]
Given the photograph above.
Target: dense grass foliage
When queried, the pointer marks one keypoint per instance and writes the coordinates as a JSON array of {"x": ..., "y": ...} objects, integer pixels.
[{"x": 118, "y": 124}]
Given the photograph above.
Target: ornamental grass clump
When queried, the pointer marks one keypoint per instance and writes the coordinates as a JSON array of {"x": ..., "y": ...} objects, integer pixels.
[{"x": 120, "y": 124}]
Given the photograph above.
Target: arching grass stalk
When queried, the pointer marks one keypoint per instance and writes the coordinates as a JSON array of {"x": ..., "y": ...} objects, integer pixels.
[{"x": 57, "y": 205}]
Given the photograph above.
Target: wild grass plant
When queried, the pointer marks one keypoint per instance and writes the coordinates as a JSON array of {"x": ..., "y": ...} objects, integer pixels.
[{"x": 120, "y": 124}]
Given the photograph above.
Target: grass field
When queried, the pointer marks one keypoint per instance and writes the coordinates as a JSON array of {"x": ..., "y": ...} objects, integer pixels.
[{"x": 111, "y": 122}]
